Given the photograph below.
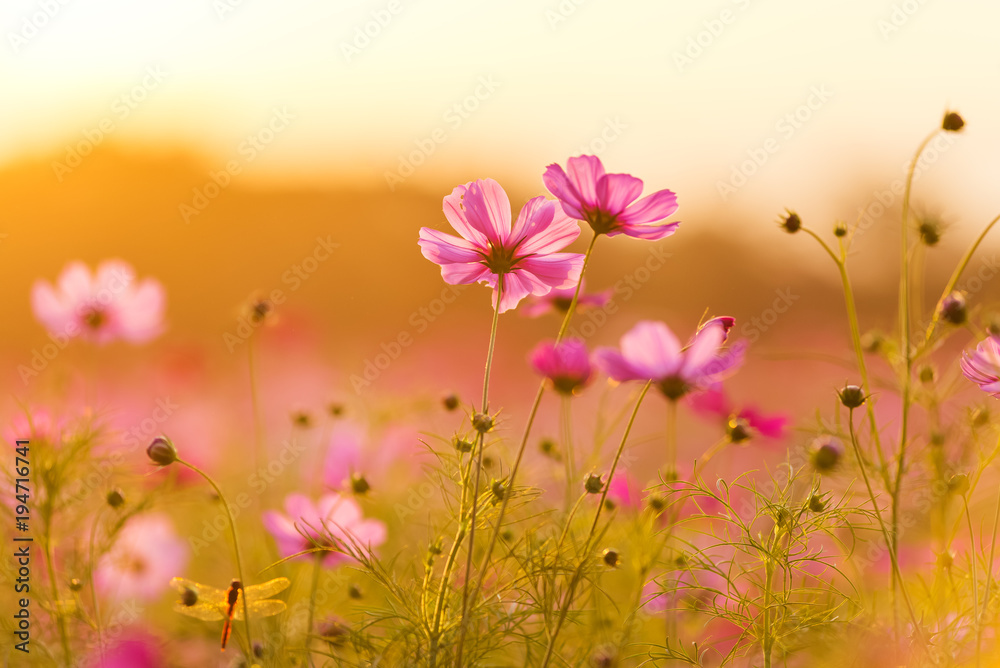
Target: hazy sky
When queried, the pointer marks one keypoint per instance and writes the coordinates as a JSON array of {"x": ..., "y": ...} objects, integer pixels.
[{"x": 679, "y": 93}]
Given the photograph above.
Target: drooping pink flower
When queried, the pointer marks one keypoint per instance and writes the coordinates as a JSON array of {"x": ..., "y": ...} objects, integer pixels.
[
  {"x": 103, "y": 307},
  {"x": 608, "y": 201},
  {"x": 489, "y": 250},
  {"x": 566, "y": 364},
  {"x": 559, "y": 300},
  {"x": 713, "y": 402},
  {"x": 650, "y": 351},
  {"x": 145, "y": 555},
  {"x": 983, "y": 366},
  {"x": 334, "y": 521}
]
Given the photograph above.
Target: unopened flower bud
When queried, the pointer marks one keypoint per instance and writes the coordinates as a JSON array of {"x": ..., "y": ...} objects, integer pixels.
[
  {"x": 593, "y": 484},
  {"x": 959, "y": 484},
  {"x": 852, "y": 396},
  {"x": 359, "y": 485},
  {"x": 926, "y": 374},
  {"x": 840, "y": 229},
  {"x": 450, "y": 402},
  {"x": 302, "y": 419},
  {"x": 953, "y": 308},
  {"x": 75, "y": 584},
  {"x": 945, "y": 559},
  {"x": 162, "y": 451},
  {"x": 826, "y": 454},
  {"x": 657, "y": 503},
  {"x": 258, "y": 649},
  {"x": 549, "y": 449},
  {"x": 611, "y": 558},
  {"x": 354, "y": 591},
  {"x": 334, "y": 632},
  {"x": 816, "y": 503},
  {"x": 116, "y": 498},
  {"x": 462, "y": 445},
  {"x": 873, "y": 341},
  {"x": 791, "y": 222},
  {"x": 993, "y": 325},
  {"x": 603, "y": 657},
  {"x": 930, "y": 232},
  {"x": 498, "y": 489},
  {"x": 738, "y": 430},
  {"x": 952, "y": 122},
  {"x": 335, "y": 410},
  {"x": 979, "y": 417},
  {"x": 482, "y": 422}
]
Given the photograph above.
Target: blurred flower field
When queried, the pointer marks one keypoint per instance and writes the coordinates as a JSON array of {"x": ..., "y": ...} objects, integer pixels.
[{"x": 448, "y": 529}]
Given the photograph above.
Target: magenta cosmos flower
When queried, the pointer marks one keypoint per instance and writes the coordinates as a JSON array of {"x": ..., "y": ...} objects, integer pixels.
[
  {"x": 650, "y": 351},
  {"x": 334, "y": 521},
  {"x": 488, "y": 248},
  {"x": 566, "y": 364},
  {"x": 146, "y": 554},
  {"x": 983, "y": 366},
  {"x": 608, "y": 201},
  {"x": 714, "y": 402},
  {"x": 103, "y": 307},
  {"x": 559, "y": 300}
]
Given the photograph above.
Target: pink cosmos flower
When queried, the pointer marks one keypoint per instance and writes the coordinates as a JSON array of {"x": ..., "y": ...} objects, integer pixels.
[
  {"x": 714, "y": 402},
  {"x": 608, "y": 201},
  {"x": 101, "y": 308},
  {"x": 566, "y": 364},
  {"x": 983, "y": 366},
  {"x": 308, "y": 525},
  {"x": 146, "y": 554},
  {"x": 488, "y": 248},
  {"x": 650, "y": 351},
  {"x": 137, "y": 648},
  {"x": 559, "y": 300},
  {"x": 625, "y": 491},
  {"x": 352, "y": 451}
]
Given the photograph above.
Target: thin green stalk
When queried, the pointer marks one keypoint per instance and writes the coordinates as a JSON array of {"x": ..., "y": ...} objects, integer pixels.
[
  {"x": 93, "y": 585},
  {"x": 480, "y": 442},
  {"x": 768, "y": 584},
  {"x": 60, "y": 622},
  {"x": 533, "y": 411},
  {"x": 317, "y": 570},
  {"x": 885, "y": 532},
  {"x": 236, "y": 549},
  {"x": 975, "y": 579},
  {"x": 566, "y": 417},
  {"x": 989, "y": 578},
  {"x": 587, "y": 546},
  {"x": 671, "y": 439}
]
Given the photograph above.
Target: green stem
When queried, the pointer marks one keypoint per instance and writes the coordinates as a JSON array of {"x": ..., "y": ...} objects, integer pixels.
[
  {"x": 588, "y": 547},
  {"x": 989, "y": 577},
  {"x": 527, "y": 430},
  {"x": 566, "y": 417},
  {"x": 975, "y": 579},
  {"x": 671, "y": 440},
  {"x": 236, "y": 550},
  {"x": 768, "y": 584},
  {"x": 317, "y": 570},
  {"x": 93, "y": 586},
  {"x": 885, "y": 532},
  {"x": 60, "y": 622},
  {"x": 480, "y": 442}
]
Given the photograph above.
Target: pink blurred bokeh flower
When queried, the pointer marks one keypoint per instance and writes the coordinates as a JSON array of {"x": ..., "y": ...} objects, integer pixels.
[
  {"x": 488, "y": 248},
  {"x": 983, "y": 366},
  {"x": 352, "y": 451},
  {"x": 145, "y": 555},
  {"x": 135, "y": 648},
  {"x": 559, "y": 300},
  {"x": 650, "y": 351},
  {"x": 102, "y": 307},
  {"x": 566, "y": 364},
  {"x": 714, "y": 402},
  {"x": 607, "y": 202},
  {"x": 307, "y": 525}
]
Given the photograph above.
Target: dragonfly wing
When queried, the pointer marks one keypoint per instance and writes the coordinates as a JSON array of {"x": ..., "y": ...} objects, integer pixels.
[
  {"x": 202, "y": 611},
  {"x": 266, "y": 589},
  {"x": 267, "y": 608},
  {"x": 205, "y": 593}
]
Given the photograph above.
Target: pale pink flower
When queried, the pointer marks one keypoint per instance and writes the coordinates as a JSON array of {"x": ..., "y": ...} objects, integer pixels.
[
  {"x": 334, "y": 521},
  {"x": 490, "y": 250},
  {"x": 983, "y": 366},
  {"x": 608, "y": 201},
  {"x": 650, "y": 351},
  {"x": 566, "y": 364},
  {"x": 714, "y": 402},
  {"x": 352, "y": 451},
  {"x": 559, "y": 300},
  {"x": 145, "y": 555},
  {"x": 103, "y": 307}
]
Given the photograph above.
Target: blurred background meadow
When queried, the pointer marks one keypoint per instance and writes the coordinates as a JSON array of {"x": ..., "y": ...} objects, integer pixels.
[{"x": 240, "y": 150}]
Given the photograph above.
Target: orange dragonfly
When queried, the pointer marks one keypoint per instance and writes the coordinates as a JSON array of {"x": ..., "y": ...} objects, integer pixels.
[{"x": 210, "y": 604}]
